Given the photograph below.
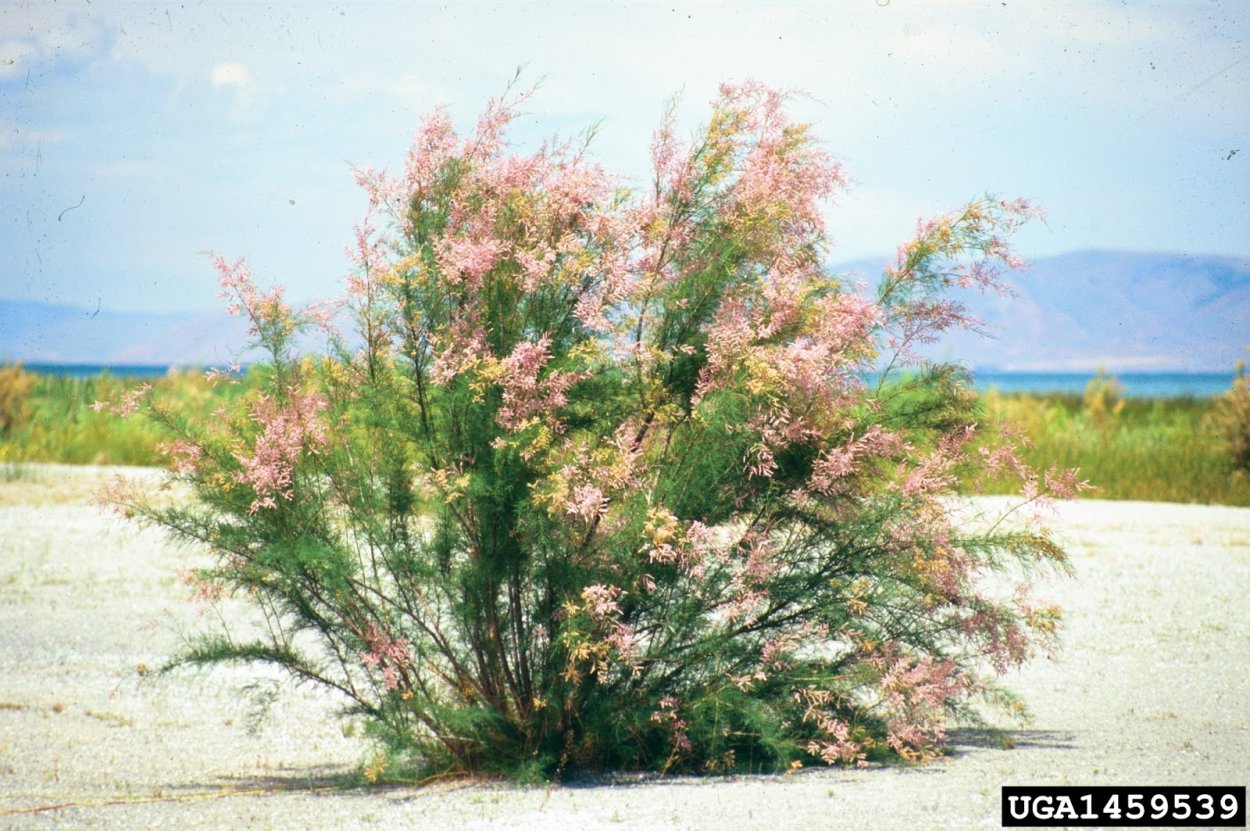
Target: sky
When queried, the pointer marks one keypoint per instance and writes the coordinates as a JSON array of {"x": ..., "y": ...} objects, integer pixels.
[{"x": 134, "y": 137}]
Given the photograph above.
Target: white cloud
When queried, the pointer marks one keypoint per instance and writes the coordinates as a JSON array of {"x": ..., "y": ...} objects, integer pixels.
[
  {"x": 230, "y": 74},
  {"x": 249, "y": 97}
]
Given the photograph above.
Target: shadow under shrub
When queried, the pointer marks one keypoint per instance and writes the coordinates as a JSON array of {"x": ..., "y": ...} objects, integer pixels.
[{"x": 597, "y": 482}]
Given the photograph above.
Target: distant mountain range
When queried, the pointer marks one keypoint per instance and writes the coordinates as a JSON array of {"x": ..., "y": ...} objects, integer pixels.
[
  {"x": 1076, "y": 312},
  {"x": 54, "y": 334},
  {"x": 1123, "y": 311}
]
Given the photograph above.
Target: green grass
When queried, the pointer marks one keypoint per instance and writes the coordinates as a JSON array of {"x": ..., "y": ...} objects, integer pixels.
[
  {"x": 1166, "y": 449},
  {"x": 1163, "y": 449},
  {"x": 49, "y": 418}
]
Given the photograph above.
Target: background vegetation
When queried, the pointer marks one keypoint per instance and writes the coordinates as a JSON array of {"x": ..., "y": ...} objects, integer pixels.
[
  {"x": 1180, "y": 449},
  {"x": 52, "y": 418}
]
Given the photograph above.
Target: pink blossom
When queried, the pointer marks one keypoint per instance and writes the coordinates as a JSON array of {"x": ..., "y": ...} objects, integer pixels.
[
  {"x": 323, "y": 315},
  {"x": 915, "y": 694},
  {"x": 602, "y": 601},
  {"x": 238, "y": 288},
  {"x": 129, "y": 403},
  {"x": 536, "y": 264},
  {"x": 835, "y": 465},
  {"x": 587, "y": 502},
  {"x": 760, "y": 563},
  {"x": 389, "y": 653},
  {"x": 625, "y": 641},
  {"x": 667, "y": 716},
  {"x": 465, "y": 261},
  {"x": 185, "y": 457},
  {"x": 776, "y": 429},
  {"x": 118, "y": 494},
  {"x": 526, "y": 392},
  {"x": 434, "y": 145},
  {"x": 742, "y": 602},
  {"x": 1004, "y": 641},
  {"x": 458, "y": 347},
  {"x": 216, "y": 375},
  {"x": 935, "y": 472},
  {"x": 777, "y": 652},
  {"x": 487, "y": 138},
  {"x": 207, "y": 589},
  {"x": 288, "y": 430},
  {"x": 836, "y": 747}
]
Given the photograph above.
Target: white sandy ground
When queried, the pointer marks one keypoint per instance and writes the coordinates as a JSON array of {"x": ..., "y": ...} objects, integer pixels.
[{"x": 1152, "y": 688}]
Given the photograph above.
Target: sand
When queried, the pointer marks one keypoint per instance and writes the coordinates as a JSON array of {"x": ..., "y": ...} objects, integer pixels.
[{"x": 1152, "y": 688}]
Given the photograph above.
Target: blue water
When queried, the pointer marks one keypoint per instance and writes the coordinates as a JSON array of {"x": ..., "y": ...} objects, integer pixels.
[
  {"x": 1135, "y": 384},
  {"x": 88, "y": 370}
]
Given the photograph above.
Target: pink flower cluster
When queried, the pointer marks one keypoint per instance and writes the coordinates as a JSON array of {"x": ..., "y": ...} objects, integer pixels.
[
  {"x": 968, "y": 249},
  {"x": 460, "y": 347},
  {"x": 831, "y": 471},
  {"x": 595, "y": 480},
  {"x": 602, "y": 602},
  {"x": 775, "y": 429},
  {"x": 238, "y": 289},
  {"x": 587, "y": 502},
  {"x": 185, "y": 456},
  {"x": 783, "y": 185},
  {"x": 288, "y": 428},
  {"x": 528, "y": 393},
  {"x": 1007, "y": 644},
  {"x": 216, "y": 375},
  {"x": 835, "y": 745},
  {"x": 668, "y": 716},
  {"x": 369, "y": 260},
  {"x": 916, "y": 694},
  {"x": 935, "y": 472},
  {"x": 688, "y": 550},
  {"x": 543, "y": 220},
  {"x": 392, "y": 655},
  {"x": 118, "y": 494},
  {"x": 129, "y": 403},
  {"x": 206, "y": 589},
  {"x": 466, "y": 260},
  {"x": 777, "y": 652}
]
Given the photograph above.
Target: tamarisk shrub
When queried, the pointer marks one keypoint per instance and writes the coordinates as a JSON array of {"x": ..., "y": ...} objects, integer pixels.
[
  {"x": 1231, "y": 417},
  {"x": 621, "y": 480}
]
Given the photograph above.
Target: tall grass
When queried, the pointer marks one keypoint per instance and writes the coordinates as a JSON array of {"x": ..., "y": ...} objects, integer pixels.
[
  {"x": 50, "y": 418},
  {"x": 1155, "y": 449}
]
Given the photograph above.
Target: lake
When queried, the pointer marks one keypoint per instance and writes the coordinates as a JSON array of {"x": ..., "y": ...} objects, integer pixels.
[{"x": 1135, "y": 384}]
